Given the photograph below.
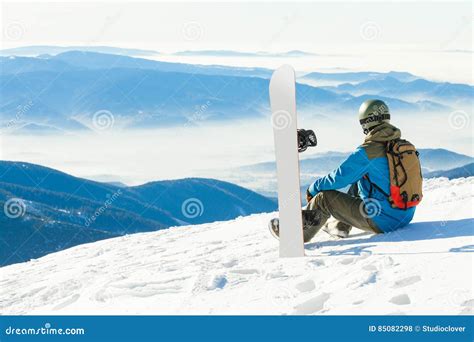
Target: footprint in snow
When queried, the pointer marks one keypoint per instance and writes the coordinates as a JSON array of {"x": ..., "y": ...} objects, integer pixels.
[
  {"x": 230, "y": 263},
  {"x": 406, "y": 281},
  {"x": 67, "y": 302},
  {"x": 49, "y": 293},
  {"x": 317, "y": 262},
  {"x": 312, "y": 305},
  {"x": 387, "y": 262},
  {"x": 217, "y": 282},
  {"x": 103, "y": 295},
  {"x": 371, "y": 279},
  {"x": 276, "y": 275},
  {"x": 246, "y": 271},
  {"x": 402, "y": 299},
  {"x": 33, "y": 291},
  {"x": 347, "y": 261},
  {"x": 369, "y": 268},
  {"x": 306, "y": 286}
]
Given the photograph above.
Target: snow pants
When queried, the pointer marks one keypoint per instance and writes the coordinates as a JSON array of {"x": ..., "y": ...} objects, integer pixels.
[{"x": 347, "y": 209}]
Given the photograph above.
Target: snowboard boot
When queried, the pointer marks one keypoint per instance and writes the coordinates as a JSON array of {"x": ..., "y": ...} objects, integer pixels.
[
  {"x": 274, "y": 227},
  {"x": 311, "y": 225},
  {"x": 312, "y": 222},
  {"x": 337, "y": 229}
]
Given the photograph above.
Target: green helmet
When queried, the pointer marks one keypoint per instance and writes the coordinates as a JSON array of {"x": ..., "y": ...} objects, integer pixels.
[{"x": 373, "y": 113}]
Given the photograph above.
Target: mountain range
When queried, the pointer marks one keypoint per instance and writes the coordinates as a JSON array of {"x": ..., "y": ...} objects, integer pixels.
[
  {"x": 39, "y": 50},
  {"x": 352, "y": 77},
  {"x": 411, "y": 90},
  {"x": 458, "y": 172},
  {"x": 230, "y": 53},
  {"x": 59, "y": 210},
  {"x": 87, "y": 60},
  {"x": 66, "y": 90}
]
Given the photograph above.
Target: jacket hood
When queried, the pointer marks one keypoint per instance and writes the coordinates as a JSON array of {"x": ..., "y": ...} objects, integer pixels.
[{"x": 383, "y": 132}]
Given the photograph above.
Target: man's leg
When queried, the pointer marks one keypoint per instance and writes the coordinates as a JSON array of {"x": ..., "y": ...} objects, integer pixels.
[
  {"x": 313, "y": 220},
  {"x": 345, "y": 208},
  {"x": 338, "y": 228}
]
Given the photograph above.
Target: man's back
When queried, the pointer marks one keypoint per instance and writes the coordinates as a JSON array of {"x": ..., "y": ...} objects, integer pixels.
[{"x": 375, "y": 186}]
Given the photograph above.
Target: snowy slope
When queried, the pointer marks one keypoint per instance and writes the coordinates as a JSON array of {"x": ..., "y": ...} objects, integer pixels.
[{"x": 232, "y": 268}]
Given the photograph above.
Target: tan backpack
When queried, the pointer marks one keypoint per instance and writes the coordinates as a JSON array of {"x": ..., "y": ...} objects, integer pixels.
[{"x": 405, "y": 174}]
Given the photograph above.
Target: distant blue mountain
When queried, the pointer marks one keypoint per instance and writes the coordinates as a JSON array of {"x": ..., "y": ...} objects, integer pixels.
[
  {"x": 59, "y": 190},
  {"x": 142, "y": 98},
  {"x": 318, "y": 164},
  {"x": 93, "y": 60},
  {"x": 37, "y": 129},
  {"x": 458, "y": 172},
  {"x": 390, "y": 86},
  {"x": 65, "y": 210},
  {"x": 133, "y": 91},
  {"x": 38, "y": 50},
  {"x": 442, "y": 159},
  {"x": 144, "y": 93},
  {"x": 431, "y": 159},
  {"x": 79, "y": 60},
  {"x": 357, "y": 77},
  {"x": 14, "y": 65},
  {"x": 230, "y": 53},
  {"x": 28, "y": 51},
  {"x": 261, "y": 177},
  {"x": 396, "y": 104},
  {"x": 220, "y": 200},
  {"x": 67, "y": 89}
]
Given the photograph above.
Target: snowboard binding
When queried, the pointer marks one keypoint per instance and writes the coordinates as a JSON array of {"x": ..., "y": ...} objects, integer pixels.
[{"x": 306, "y": 138}]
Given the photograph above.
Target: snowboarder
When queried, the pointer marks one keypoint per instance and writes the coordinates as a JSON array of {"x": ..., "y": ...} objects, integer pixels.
[{"x": 377, "y": 201}]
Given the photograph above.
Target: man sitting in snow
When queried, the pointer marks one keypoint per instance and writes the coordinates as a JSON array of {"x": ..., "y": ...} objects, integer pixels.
[{"x": 368, "y": 205}]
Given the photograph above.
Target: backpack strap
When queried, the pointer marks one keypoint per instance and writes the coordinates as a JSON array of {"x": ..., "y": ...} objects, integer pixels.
[
  {"x": 396, "y": 157},
  {"x": 373, "y": 185}
]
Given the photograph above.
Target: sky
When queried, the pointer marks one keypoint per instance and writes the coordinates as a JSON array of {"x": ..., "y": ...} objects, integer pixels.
[
  {"x": 431, "y": 38},
  {"x": 244, "y": 26},
  {"x": 312, "y": 26}
]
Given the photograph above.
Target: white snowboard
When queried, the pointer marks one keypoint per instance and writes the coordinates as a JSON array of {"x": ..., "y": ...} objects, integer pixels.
[{"x": 283, "y": 105}]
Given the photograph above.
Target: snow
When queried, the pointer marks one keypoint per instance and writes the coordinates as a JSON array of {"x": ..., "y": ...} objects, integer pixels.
[{"x": 233, "y": 267}]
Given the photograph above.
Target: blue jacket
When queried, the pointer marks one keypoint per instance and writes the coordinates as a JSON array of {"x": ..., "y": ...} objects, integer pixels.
[{"x": 368, "y": 159}]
